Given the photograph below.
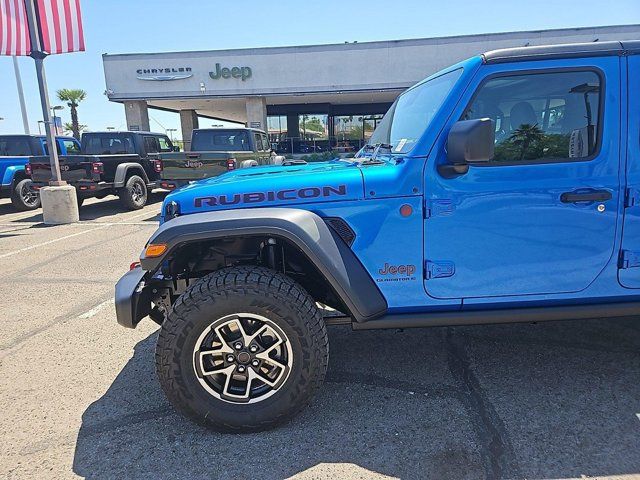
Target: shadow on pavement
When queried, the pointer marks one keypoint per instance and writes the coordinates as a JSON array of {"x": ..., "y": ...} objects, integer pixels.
[
  {"x": 94, "y": 210},
  {"x": 509, "y": 401}
]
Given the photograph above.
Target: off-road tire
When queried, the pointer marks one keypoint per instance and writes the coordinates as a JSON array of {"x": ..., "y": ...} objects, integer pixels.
[
  {"x": 229, "y": 291},
  {"x": 134, "y": 194},
  {"x": 17, "y": 199}
]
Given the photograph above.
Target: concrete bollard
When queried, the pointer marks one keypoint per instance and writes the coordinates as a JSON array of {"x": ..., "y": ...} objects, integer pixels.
[{"x": 59, "y": 205}]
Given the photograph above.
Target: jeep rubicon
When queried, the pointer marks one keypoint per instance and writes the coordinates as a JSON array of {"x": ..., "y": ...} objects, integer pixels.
[{"x": 505, "y": 188}]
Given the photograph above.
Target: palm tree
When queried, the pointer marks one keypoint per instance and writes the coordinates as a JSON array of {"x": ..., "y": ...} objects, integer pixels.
[
  {"x": 524, "y": 136},
  {"x": 68, "y": 127},
  {"x": 73, "y": 96}
]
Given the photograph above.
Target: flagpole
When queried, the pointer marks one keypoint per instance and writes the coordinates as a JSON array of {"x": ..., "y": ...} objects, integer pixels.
[
  {"x": 38, "y": 55},
  {"x": 23, "y": 107}
]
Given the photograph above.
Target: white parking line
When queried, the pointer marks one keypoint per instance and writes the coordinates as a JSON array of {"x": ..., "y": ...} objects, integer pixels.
[
  {"x": 96, "y": 309},
  {"x": 48, "y": 242},
  {"x": 25, "y": 249},
  {"x": 638, "y": 415}
]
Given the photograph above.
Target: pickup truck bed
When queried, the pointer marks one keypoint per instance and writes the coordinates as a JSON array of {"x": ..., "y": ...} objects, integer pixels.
[{"x": 182, "y": 167}]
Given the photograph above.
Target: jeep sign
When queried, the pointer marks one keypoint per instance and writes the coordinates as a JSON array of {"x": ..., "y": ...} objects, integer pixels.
[{"x": 233, "y": 72}]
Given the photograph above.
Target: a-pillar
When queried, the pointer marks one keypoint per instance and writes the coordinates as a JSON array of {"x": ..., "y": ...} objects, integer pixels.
[
  {"x": 188, "y": 121},
  {"x": 257, "y": 112},
  {"x": 137, "y": 115}
]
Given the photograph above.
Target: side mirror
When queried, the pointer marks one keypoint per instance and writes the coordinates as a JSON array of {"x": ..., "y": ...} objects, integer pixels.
[
  {"x": 176, "y": 148},
  {"x": 471, "y": 141}
]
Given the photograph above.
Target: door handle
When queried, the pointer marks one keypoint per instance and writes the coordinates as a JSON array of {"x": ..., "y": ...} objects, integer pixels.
[{"x": 588, "y": 196}]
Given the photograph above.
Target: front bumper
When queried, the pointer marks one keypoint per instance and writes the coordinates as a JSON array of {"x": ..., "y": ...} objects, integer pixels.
[{"x": 132, "y": 302}]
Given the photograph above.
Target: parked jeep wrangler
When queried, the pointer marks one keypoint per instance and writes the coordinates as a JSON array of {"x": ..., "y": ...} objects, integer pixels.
[
  {"x": 505, "y": 188},
  {"x": 110, "y": 163},
  {"x": 215, "y": 151}
]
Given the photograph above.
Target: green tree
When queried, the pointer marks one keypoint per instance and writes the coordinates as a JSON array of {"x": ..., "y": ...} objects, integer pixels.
[
  {"x": 73, "y": 96},
  {"x": 524, "y": 136},
  {"x": 68, "y": 128}
]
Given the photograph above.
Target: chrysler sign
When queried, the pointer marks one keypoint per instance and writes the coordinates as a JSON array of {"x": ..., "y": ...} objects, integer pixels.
[{"x": 164, "y": 74}]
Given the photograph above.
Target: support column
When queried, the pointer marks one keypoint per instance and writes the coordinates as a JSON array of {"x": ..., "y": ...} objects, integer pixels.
[
  {"x": 257, "y": 112},
  {"x": 188, "y": 121},
  {"x": 293, "y": 131},
  {"x": 137, "y": 115}
]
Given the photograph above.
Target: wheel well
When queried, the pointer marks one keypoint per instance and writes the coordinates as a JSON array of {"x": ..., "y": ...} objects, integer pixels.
[
  {"x": 18, "y": 177},
  {"x": 131, "y": 171},
  {"x": 197, "y": 259}
]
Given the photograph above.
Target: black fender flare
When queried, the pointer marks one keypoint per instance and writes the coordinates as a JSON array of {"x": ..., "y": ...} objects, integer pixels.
[
  {"x": 124, "y": 168},
  {"x": 306, "y": 230}
]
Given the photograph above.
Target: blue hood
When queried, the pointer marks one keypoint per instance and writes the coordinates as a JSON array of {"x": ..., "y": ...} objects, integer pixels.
[{"x": 272, "y": 186}]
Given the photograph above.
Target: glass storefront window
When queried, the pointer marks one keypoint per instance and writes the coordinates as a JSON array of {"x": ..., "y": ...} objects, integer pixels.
[
  {"x": 355, "y": 127},
  {"x": 277, "y": 127},
  {"x": 313, "y": 127}
]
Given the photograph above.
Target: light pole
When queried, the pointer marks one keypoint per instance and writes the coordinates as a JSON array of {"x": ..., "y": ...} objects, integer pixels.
[
  {"x": 171, "y": 130},
  {"x": 53, "y": 110},
  {"x": 39, "y": 122}
]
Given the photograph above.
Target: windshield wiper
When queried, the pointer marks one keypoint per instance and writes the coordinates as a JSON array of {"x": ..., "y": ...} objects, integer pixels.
[{"x": 376, "y": 150}]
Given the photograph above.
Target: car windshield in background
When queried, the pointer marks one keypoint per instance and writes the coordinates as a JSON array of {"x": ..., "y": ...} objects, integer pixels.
[
  {"x": 413, "y": 111},
  {"x": 220, "y": 140},
  {"x": 14, "y": 147},
  {"x": 111, "y": 144}
]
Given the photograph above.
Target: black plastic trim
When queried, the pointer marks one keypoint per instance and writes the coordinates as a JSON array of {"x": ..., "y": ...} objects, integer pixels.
[
  {"x": 569, "y": 50},
  {"x": 131, "y": 303},
  {"x": 513, "y": 315},
  {"x": 319, "y": 243}
]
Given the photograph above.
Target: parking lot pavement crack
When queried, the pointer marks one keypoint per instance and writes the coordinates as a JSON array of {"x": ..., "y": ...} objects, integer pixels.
[
  {"x": 127, "y": 420},
  {"x": 498, "y": 458},
  {"x": 12, "y": 345},
  {"x": 572, "y": 344},
  {"x": 378, "y": 381},
  {"x": 28, "y": 271}
]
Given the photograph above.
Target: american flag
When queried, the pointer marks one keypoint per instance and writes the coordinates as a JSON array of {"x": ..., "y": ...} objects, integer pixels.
[
  {"x": 14, "y": 30},
  {"x": 59, "y": 24}
]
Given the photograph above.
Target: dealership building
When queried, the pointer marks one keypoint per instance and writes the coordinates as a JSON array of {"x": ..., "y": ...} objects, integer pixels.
[{"x": 309, "y": 98}]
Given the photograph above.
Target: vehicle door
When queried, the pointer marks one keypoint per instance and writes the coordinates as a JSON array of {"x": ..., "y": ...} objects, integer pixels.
[
  {"x": 151, "y": 150},
  {"x": 261, "y": 155},
  {"x": 541, "y": 217},
  {"x": 629, "y": 261}
]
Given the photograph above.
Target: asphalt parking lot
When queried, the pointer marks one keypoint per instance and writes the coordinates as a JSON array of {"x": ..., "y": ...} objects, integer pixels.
[{"x": 79, "y": 395}]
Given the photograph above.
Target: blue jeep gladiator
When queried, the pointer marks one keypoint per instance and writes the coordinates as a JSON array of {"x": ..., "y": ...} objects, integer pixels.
[
  {"x": 15, "y": 151},
  {"x": 505, "y": 188}
]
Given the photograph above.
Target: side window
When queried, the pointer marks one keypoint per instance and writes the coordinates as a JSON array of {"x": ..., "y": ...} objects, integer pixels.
[
  {"x": 265, "y": 142},
  {"x": 542, "y": 116},
  {"x": 151, "y": 145},
  {"x": 71, "y": 147},
  {"x": 165, "y": 144},
  {"x": 258, "y": 140}
]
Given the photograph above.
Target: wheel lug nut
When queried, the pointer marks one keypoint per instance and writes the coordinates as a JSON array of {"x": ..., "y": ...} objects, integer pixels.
[
  {"x": 253, "y": 348},
  {"x": 230, "y": 358},
  {"x": 238, "y": 346},
  {"x": 255, "y": 363},
  {"x": 241, "y": 368}
]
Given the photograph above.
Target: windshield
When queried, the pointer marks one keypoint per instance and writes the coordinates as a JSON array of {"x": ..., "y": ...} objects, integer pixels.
[
  {"x": 220, "y": 140},
  {"x": 108, "y": 144},
  {"x": 413, "y": 111}
]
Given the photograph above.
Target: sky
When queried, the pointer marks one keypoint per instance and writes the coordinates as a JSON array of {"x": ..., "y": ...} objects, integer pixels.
[{"x": 140, "y": 26}]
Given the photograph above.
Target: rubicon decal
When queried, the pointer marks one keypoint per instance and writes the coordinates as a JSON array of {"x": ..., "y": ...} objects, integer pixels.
[
  {"x": 396, "y": 273},
  {"x": 286, "y": 195}
]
